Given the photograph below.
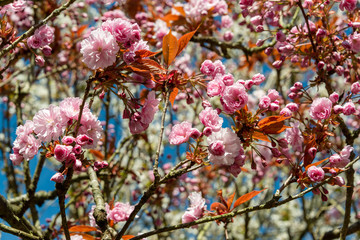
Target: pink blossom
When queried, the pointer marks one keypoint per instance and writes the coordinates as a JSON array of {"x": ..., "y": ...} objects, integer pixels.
[
  {"x": 349, "y": 108},
  {"x": 120, "y": 212},
  {"x": 286, "y": 112},
  {"x": 273, "y": 94},
  {"x": 316, "y": 174},
  {"x": 180, "y": 133},
  {"x": 355, "y": 87},
  {"x": 140, "y": 122},
  {"x": 70, "y": 107},
  {"x": 91, "y": 126},
  {"x": 49, "y": 123},
  {"x": 68, "y": 140},
  {"x": 224, "y": 147},
  {"x": 338, "y": 161},
  {"x": 280, "y": 36},
  {"x": 226, "y": 21},
  {"x": 235, "y": 168},
  {"x": 210, "y": 118},
  {"x": 76, "y": 237},
  {"x": 207, "y": 67},
  {"x": 83, "y": 139},
  {"x": 292, "y": 106},
  {"x": 321, "y": 108},
  {"x": 124, "y": 32},
  {"x": 215, "y": 87},
  {"x": 256, "y": 20},
  {"x": 228, "y": 79},
  {"x": 234, "y": 98},
  {"x": 294, "y": 137},
  {"x": 34, "y": 42},
  {"x": 57, "y": 177},
  {"x": 228, "y": 36},
  {"x": 130, "y": 55},
  {"x": 219, "y": 68},
  {"x": 274, "y": 107},
  {"x": 334, "y": 97},
  {"x": 196, "y": 209},
  {"x": 39, "y": 60},
  {"x": 258, "y": 78},
  {"x": 355, "y": 41},
  {"x": 99, "y": 49},
  {"x": 265, "y": 102},
  {"x": 46, "y": 34},
  {"x": 349, "y": 5},
  {"x": 46, "y": 50},
  {"x": 61, "y": 152},
  {"x": 246, "y": 3}
]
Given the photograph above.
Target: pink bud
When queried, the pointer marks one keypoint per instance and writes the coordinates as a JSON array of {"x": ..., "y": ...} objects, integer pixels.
[
  {"x": 349, "y": 108},
  {"x": 273, "y": 94},
  {"x": 77, "y": 165},
  {"x": 248, "y": 84},
  {"x": 280, "y": 36},
  {"x": 39, "y": 60},
  {"x": 258, "y": 78},
  {"x": 259, "y": 42},
  {"x": 61, "y": 152},
  {"x": 274, "y": 107},
  {"x": 312, "y": 151},
  {"x": 355, "y": 88},
  {"x": 46, "y": 50},
  {"x": 286, "y": 112},
  {"x": 207, "y": 131},
  {"x": 68, "y": 140},
  {"x": 57, "y": 177},
  {"x": 334, "y": 97},
  {"x": 195, "y": 134},
  {"x": 338, "y": 109},
  {"x": 77, "y": 149},
  {"x": 84, "y": 140},
  {"x": 277, "y": 64}
]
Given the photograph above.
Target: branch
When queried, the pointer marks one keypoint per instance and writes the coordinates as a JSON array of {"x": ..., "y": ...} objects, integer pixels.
[
  {"x": 355, "y": 227},
  {"x": 29, "y": 32},
  {"x": 17, "y": 232},
  {"x": 268, "y": 205}
]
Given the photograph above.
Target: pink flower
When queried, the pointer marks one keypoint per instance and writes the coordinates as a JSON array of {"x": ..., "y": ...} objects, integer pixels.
[
  {"x": 124, "y": 32},
  {"x": 196, "y": 209},
  {"x": 349, "y": 108},
  {"x": 68, "y": 140},
  {"x": 228, "y": 79},
  {"x": 39, "y": 60},
  {"x": 246, "y": 3},
  {"x": 337, "y": 161},
  {"x": 265, "y": 102},
  {"x": 70, "y": 107},
  {"x": 76, "y": 237},
  {"x": 286, "y": 112},
  {"x": 256, "y": 20},
  {"x": 180, "y": 133},
  {"x": 46, "y": 34},
  {"x": 210, "y": 118},
  {"x": 49, "y": 123},
  {"x": 224, "y": 147},
  {"x": 140, "y": 122},
  {"x": 346, "y": 151},
  {"x": 99, "y": 49},
  {"x": 215, "y": 87},
  {"x": 294, "y": 137},
  {"x": 321, "y": 108},
  {"x": 57, "y": 177},
  {"x": 61, "y": 152},
  {"x": 258, "y": 78},
  {"x": 273, "y": 94},
  {"x": 355, "y": 87},
  {"x": 316, "y": 174},
  {"x": 120, "y": 212},
  {"x": 355, "y": 42},
  {"x": 83, "y": 139},
  {"x": 34, "y": 42},
  {"x": 226, "y": 21},
  {"x": 349, "y": 5},
  {"x": 292, "y": 106},
  {"x": 234, "y": 98},
  {"x": 130, "y": 56},
  {"x": 46, "y": 50},
  {"x": 207, "y": 67},
  {"x": 91, "y": 126},
  {"x": 219, "y": 68}
]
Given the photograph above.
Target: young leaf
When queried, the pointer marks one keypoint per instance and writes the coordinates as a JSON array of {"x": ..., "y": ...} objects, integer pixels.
[
  {"x": 180, "y": 9},
  {"x": 126, "y": 237},
  {"x": 170, "y": 48},
  {"x": 273, "y": 124},
  {"x": 184, "y": 40},
  {"x": 260, "y": 136},
  {"x": 84, "y": 235},
  {"x": 145, "y": 53},
  {"x": 230, "y": 200},
  {"x": 315, "y": 163},
  {"x": 246, "y": 197},
  {"x": 218, "y": 207},
  {"x": 173, "y": 95},
  {"x": 82, "y": 228}
]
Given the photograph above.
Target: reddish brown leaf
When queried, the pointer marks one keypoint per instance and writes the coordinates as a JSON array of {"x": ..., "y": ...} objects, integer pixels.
[
  {"x": 246, "y": 197},
  {"x": 260, "y": 136},
  {"x": 126, "y": 237},
  {"x": 82, "y": 228},
  {"x": 145, "y": 53},
  {"x": 315, "y": 163},
  {"x": 84, "y": 235},
  {"x": 184, "y": 40},
  {"x": 244, "y": 169},
  {"x": 173, "y": 95},
  {"x": 230, "y": 200},
  {"x": 152, "y": 63},
  {"x": 218, "y": 207},
  {"x": 81, "y": 29},
  {"x": 170, "y": 48},
  {"x": 170, "y": 17},
  {"x": 272, "y": 124},
  {"x": 180, "y": 9},
  {"x": 97, "y": 154}
]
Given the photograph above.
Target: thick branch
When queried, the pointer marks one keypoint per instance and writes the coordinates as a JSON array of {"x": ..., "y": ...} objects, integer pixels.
[
  {"x": 17, "y": 232},
  {"x": 355, "y": 227}
]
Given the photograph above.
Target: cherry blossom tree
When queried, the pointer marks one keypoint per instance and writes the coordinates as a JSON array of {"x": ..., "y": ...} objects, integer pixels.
[{"x": 212, "y": 119}]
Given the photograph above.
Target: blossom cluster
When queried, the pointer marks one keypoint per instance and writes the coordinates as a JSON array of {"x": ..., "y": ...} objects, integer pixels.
[
  {"x": 196, "y": 209},
  {"x": 49, "y": 124},
  {"x": 101, "y": 48}
]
